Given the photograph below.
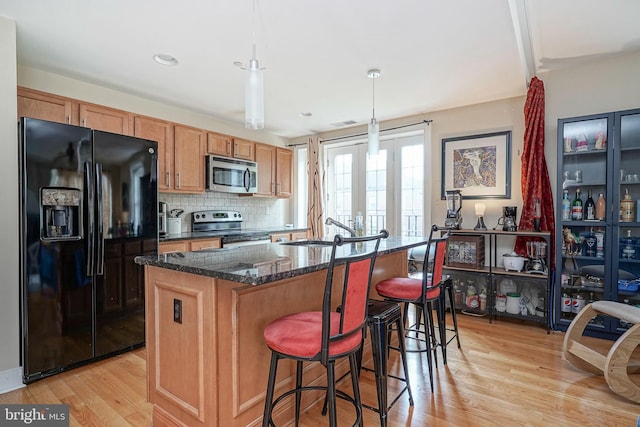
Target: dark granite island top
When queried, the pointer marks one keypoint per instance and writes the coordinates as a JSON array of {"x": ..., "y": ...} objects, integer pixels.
[{"x": 266, "y": 263}]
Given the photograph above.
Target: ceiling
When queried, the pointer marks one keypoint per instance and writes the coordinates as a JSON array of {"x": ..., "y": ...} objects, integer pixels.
[{"x": 433, "y": 54}]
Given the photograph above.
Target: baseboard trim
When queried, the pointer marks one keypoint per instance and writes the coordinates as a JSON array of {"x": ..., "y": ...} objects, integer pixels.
[{"x": 11, "y": 380}]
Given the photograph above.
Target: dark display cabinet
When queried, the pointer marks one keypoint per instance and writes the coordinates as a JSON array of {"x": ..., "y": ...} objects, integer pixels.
[{"x": 598, "y": 253}]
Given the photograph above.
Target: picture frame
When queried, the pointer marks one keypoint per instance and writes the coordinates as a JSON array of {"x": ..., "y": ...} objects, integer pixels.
[{"x": 477, "y": 165}]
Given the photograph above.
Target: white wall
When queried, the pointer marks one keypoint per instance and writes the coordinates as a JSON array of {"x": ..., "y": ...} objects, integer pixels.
[
  {"x": 609, "y": 84},
  {"x": 10, "y": 374}
]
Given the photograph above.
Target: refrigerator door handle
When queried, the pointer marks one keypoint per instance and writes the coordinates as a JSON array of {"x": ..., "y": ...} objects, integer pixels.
[
  {"x": 90, "y": 227},
  {"x": 99, "y": 222}
]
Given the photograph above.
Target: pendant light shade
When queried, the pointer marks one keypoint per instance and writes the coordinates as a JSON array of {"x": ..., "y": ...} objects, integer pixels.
[
  {"x": 374, "y": 137},
  {"x": 254, "y": 97},
  {"x": 254, "y": 87},
  {"x": 374, "y": 128}
]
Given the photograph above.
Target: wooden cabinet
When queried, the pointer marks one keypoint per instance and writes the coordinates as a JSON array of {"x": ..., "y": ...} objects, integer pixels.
[
  {"x": 188, "y": 160},
  {"x": 287, "y": 237},
  {"x": 190, "y": 245},
  {"x": 274, "y": 170},
  {"x": 227, "y": 146},
  {"x": 284, "y": 159},
  {"x": 169, "y": 247},
  {"x": 220, "y": 145},
  {"x": 105, "y": 119},
  {"x": 161, "y": 132},
  {"x": 205, "y": 244},
  {"x": 243, "y": 149},
  {"x": 44, "y": 106}
]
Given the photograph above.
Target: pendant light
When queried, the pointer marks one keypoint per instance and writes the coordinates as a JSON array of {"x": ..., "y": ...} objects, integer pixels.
[
  {"x": 254, "y": 87},
  {"x": 374, "y": 127}
]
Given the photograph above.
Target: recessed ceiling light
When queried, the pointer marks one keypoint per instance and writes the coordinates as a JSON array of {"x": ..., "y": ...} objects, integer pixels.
[
  {"x": 165, "y": 59},
  {"x": 307, "y": 114}
]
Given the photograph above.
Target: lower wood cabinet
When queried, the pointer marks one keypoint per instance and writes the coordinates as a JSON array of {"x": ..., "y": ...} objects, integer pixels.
[{"x": 190, "y": 245}]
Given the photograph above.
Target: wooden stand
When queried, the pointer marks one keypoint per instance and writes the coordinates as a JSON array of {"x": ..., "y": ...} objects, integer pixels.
[{"x": 615, "y": 364}]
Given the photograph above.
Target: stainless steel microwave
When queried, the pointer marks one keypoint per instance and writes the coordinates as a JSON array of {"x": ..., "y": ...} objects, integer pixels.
[{"x": 231, "y": 175}]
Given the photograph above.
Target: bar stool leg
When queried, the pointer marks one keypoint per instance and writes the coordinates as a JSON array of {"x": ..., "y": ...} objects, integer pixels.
[
  {"x": 403, "y": 355},
  {"x": 425, "y": 308},
  {"x": 379, "y": 344},
  {"x": 298, "y": 387},
  {"x": 453, "y": 311},
  {"x": 268, "y": 402}
]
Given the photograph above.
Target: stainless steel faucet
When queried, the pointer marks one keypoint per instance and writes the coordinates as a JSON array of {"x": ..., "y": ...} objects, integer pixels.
[{"x": 331, "y": 221}]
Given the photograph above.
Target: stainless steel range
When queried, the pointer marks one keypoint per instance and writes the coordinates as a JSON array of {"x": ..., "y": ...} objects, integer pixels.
[{"x": 229, "y": 224}]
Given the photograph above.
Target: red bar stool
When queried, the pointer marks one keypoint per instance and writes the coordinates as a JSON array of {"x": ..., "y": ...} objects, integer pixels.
[
  {"x": 424, "y": 293},
  {"x": 326, "y": 336}
]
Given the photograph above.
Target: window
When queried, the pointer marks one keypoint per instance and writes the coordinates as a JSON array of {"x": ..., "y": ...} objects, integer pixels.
[{"x": 388, "y": 189}]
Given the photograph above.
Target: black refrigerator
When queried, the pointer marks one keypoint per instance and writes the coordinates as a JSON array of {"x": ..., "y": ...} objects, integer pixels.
[{"x": 88, "y": 207}]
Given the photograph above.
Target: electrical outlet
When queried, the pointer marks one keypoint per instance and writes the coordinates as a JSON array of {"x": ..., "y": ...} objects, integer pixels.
[{"x": 177, "y": 310}]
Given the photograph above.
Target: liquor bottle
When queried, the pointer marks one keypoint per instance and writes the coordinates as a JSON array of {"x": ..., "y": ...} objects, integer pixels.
[
  {"x": 589, "y": 247},
  {"x": 589, "y": 208},
  {"x": 627, "y": 208},
  {"x": 601, "y": 208},
  {"x": 576, "y": 208},
  {"x": 566, "y": 206}
]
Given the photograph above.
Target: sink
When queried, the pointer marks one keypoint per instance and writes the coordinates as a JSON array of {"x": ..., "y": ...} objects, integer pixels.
[{"x": 308, "y": 243}]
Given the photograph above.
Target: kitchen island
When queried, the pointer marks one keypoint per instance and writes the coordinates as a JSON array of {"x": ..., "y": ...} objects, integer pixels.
[{"x": 207, "y": 363}]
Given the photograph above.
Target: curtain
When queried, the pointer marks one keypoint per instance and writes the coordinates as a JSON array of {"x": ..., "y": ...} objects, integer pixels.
[
  {"x": 535, "y": 175},
  {"x": 316, "y": 190}
]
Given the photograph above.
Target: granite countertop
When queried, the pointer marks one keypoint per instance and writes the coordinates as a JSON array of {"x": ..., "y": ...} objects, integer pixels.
[
  {"x": 265, "y": 263},
  {"x": 226, "y": 233}
]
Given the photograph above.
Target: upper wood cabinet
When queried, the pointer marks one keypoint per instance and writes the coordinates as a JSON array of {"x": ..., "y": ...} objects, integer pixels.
[
  {"x": 161, "y": 132},
  {"x": 105, "y": 119},
  {"x": 227, "y": 146},
  {"x": 243, "y": 149},
  {"x": 220, "y": 145},
  {"x": 284, "y": 160},
  {"x": 188, "y": 159},
  {"x": 274, "y": 170},
  {"x": 44, "y": 106}
]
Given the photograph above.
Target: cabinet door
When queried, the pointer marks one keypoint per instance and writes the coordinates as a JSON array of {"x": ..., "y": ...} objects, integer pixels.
[
  {"x": 161, "y": 132},
  {"x": 626, "y": 230},
  {"x": 280, "y": 237},
  {"x": 105, "y": 119},
  {"x": 243, "y": 149},
  {"x": 584, "y": 168},
  {"x": 204, "y": 244},
  {"x": 284, "y": 159},
  {"x": 220, "y": 145},
  {"x": 189, "y": 160},
  {"x": 298, "y": 235},
  {"x": 266, "y": 159},
  {"x": 169, "y": 247},
  {"x": 44, "y": 106}
]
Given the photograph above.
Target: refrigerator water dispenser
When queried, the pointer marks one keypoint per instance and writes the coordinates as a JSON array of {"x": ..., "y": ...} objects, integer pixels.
[{"x": 60, "y": 213}]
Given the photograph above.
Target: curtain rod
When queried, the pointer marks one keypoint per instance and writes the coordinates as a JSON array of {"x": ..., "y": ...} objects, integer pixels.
[{"x": 364, "y": 133}]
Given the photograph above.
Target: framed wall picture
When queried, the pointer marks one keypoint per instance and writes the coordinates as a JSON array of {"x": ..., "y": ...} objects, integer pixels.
[{"x": 477, "y": 165}]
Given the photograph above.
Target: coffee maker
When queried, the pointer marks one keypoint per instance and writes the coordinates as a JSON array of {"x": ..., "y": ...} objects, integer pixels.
[
  {"x": 508, "y": 218},
  {"x": 454, "y": 204}
]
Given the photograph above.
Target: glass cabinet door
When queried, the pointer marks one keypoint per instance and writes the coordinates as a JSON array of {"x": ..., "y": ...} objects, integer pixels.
[
  {"x": 626, "y": 252},
  {"x": 585, "y": 214}
]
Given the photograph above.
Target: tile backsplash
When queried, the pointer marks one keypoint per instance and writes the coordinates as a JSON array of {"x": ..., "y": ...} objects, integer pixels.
[{"x": 258, "y": 212}]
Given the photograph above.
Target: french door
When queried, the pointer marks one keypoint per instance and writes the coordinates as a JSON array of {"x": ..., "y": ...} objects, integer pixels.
[{"x": 387, "y": 189}]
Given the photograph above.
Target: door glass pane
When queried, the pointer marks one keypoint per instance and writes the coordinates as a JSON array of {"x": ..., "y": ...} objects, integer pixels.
[
  {"x": 343, "y": 172},
  {"x": 412, "y": 190},
  {"x": 376, "y": 212}
]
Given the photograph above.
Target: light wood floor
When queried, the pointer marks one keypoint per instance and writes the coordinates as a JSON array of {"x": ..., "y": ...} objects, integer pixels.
[{"x": 506, "y": 374}]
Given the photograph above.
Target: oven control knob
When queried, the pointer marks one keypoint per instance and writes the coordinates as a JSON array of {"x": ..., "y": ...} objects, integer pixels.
[{"x": 204, "y": 215}]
